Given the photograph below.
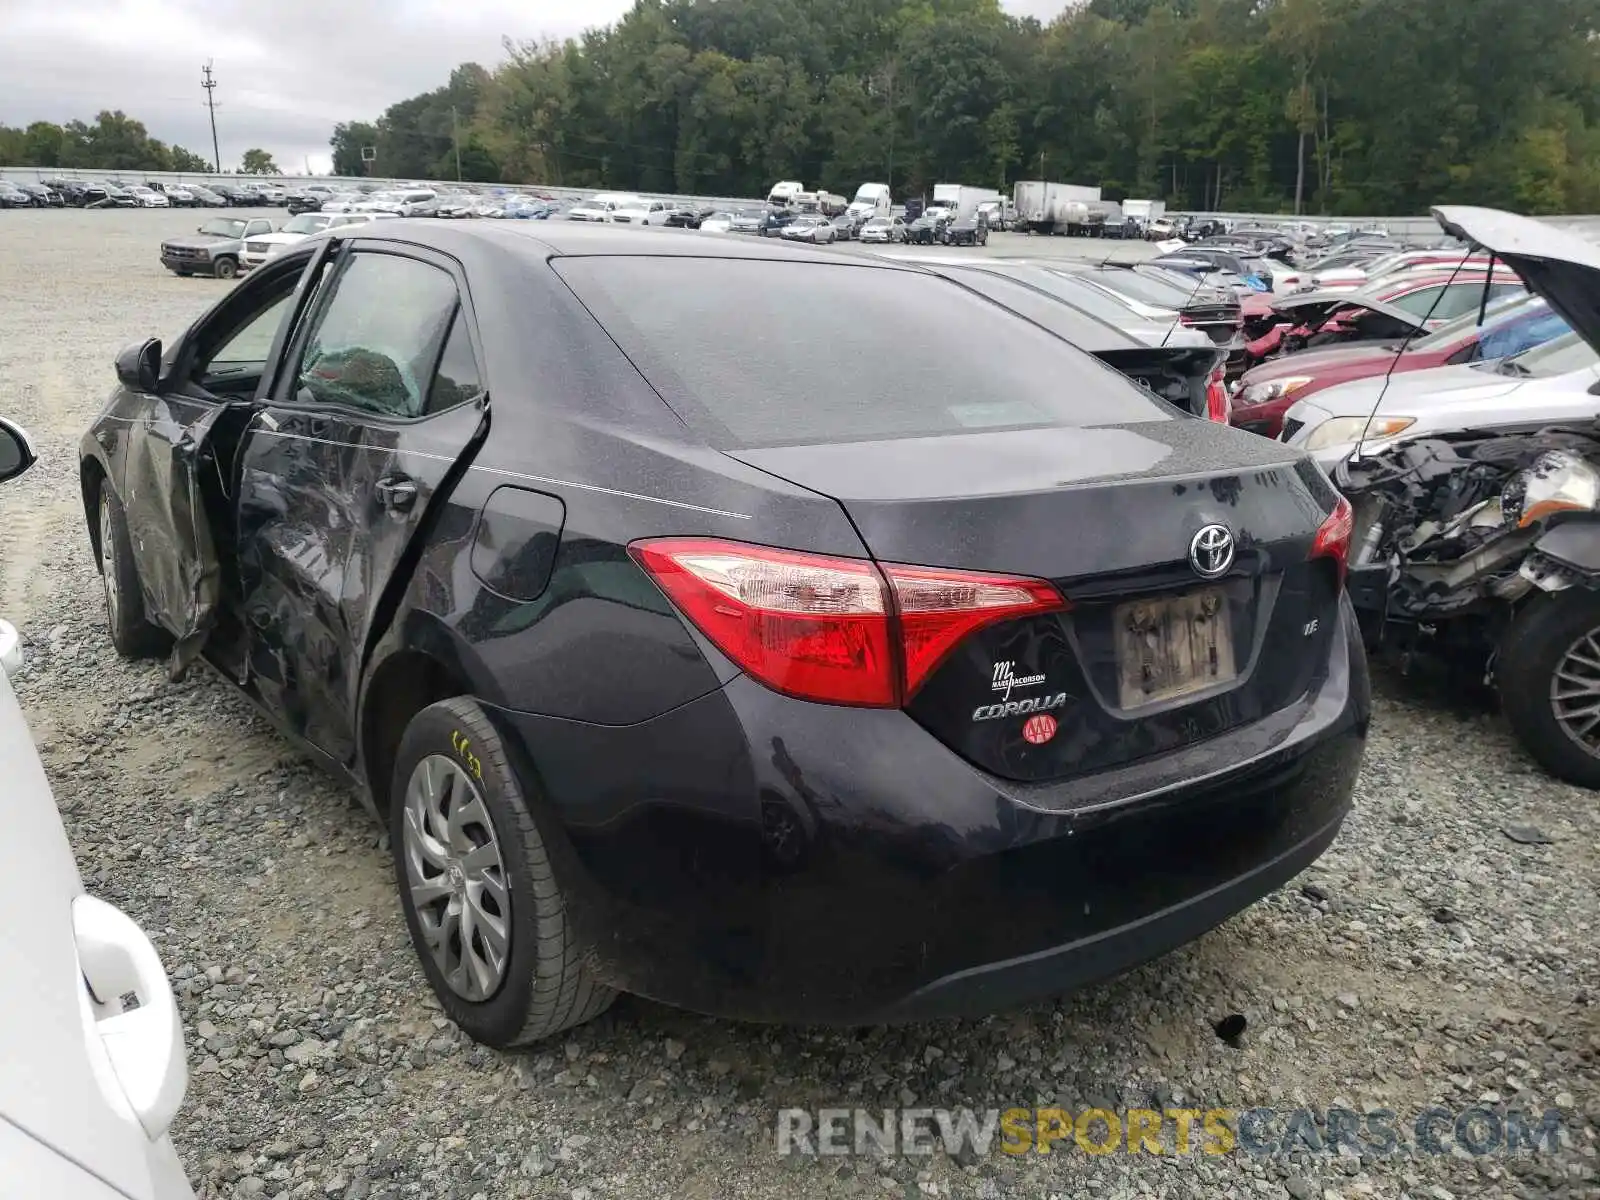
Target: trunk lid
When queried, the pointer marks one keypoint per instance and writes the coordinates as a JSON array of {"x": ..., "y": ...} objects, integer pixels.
[{"x": 1110, "y": 515}]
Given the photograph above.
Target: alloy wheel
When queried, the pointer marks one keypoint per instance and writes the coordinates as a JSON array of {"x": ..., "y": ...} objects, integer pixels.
[
  {"x": 108, "y": 561},
  {"x": 1575, "y": 692},
  {"x": 457, "y": 878}
]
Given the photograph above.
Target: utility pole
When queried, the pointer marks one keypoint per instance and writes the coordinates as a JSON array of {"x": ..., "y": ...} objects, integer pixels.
[
  {"x": 210, "y": 86},
  {"x": 455, "y": 138}
]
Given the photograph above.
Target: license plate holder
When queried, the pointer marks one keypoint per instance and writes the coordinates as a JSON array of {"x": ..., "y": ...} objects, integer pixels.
[{"x": 1169, "y": 647}]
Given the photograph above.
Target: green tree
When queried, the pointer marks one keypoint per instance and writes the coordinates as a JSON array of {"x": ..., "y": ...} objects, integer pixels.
[
  {"x": 347, "y": 142},
  {"x": 1356, "y": 106},
  {"x": 258, "y": 162},
  {"x": 184, "y": 160},
  {"x": 42, "y": 144}
]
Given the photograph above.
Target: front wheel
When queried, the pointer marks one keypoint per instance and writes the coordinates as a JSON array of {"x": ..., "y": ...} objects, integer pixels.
[
  {"x": 132, "y": 634},
  {"x": 486, "y": 914},
  {"x": 1548, "y": 673},
  {"x": 225, "y": 268}
]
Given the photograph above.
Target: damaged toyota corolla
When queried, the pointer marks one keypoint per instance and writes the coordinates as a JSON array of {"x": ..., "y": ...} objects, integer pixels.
[
  {"x": 926, "y": 675},
  {"x": 1483, "y": 545}
]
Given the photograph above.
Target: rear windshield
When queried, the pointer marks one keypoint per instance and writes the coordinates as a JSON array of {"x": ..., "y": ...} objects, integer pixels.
[
  {"x": 1108, "y": 307},
  {"x": 1506, "y": 308},
  {"x": 1042, "y": 308},
  {"x": 1142, "y": 287},
  {"x": 761, "y": 352},
  {"x": 1566, "y": 353}
]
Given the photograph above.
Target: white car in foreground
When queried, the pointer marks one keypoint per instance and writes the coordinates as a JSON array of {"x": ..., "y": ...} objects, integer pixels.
[
  {"x": 1548, "y": 384},
  {"x": 296, "y": 229},
  {"x": 89, "y": 1082}
]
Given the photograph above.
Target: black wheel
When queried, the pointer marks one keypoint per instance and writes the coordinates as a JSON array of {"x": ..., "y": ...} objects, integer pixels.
[
  {"x": 1548, "y": 673},
  {"x": 131, "y": 633},
  {"x": 184, "y": 274},
  {"x": 481, "y": 900},
  {"x": 225, "y": 268}
]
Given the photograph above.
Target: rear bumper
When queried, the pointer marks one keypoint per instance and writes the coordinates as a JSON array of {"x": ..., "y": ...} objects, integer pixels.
[
  {"x": 1059, "y": 969},
  {"x": 752, "y": 856}
]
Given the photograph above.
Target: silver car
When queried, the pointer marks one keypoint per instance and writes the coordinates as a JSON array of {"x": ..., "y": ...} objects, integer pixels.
[
  {"x": 90, "y": 1082},
  {"x": 817, "y": 230}
]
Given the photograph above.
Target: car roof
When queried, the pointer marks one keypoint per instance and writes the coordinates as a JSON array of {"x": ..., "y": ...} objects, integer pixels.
[{"x": 557, "y": 239}]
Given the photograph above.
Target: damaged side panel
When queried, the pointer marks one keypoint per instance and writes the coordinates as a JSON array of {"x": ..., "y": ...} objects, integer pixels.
[{"x": 164, "y": 472}]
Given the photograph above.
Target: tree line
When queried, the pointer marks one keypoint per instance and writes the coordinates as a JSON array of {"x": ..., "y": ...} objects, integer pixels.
[
  {"x": 113, "y": 142},
  {"x": 1341, "y": 106}
]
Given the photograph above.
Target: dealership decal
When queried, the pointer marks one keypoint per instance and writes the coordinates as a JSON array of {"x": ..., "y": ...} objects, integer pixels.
[{"x": 1005, "y": 679}]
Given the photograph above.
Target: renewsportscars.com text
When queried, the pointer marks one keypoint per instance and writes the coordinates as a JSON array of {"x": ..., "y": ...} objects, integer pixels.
[{"x": 1380, "y": 1132}]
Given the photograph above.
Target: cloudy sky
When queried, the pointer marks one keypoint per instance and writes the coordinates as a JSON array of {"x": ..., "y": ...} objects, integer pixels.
[{"x": 278, "y": 85}]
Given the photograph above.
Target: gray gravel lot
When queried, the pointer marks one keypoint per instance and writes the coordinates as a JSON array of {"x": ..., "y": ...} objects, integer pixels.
[{"x": 1427, "y": 958}]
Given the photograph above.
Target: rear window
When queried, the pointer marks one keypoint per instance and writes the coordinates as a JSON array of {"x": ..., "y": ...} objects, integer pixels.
[
  {"x": 754, "y": 352},
  {"x": 1051, "y": 312},
  {"x": 1080, "y": 295},
  {"x": 1566, "y": 353},
  {"x": 1142, "y": 287}
]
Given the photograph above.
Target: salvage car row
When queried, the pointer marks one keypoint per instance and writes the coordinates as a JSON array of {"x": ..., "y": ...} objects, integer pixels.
[
  {"x": 1456, "y": 409},
  {"x": 90, "y": 193}
]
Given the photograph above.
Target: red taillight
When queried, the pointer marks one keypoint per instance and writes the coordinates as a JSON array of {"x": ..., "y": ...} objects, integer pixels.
[
  {"x": 1333, "y": 539},
  {"x": 836, "y": 630},
  {"x": 1218, "y": 406}
]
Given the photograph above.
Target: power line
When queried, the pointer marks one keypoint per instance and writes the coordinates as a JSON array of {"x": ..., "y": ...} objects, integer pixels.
[{"x": 210, "y": 85}]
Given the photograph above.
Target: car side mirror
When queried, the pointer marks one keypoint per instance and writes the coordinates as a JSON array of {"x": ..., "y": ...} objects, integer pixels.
[
  {"x": 1594, "y": 388},
  {"x": 16, "y": 451},
  {"x": 139, "y": 365}
]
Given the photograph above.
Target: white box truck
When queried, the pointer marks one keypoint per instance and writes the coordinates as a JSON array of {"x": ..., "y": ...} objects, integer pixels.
[
  {"x": 961, "y": 199},
  {"x": 1144, "y": 211}
]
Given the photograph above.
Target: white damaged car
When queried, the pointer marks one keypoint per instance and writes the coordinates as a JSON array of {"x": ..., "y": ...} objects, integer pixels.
[{"x": 92, "y": 1066}]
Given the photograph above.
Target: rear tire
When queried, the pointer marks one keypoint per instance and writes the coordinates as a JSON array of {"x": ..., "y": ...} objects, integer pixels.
[
  {"x": 132, "y": 634},
  {"x": 1536, "y": 645},
  {"x": 543, "y": 985}
]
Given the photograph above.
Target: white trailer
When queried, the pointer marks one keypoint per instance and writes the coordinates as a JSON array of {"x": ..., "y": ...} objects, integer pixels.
[{"x": 1044, "y": 207}]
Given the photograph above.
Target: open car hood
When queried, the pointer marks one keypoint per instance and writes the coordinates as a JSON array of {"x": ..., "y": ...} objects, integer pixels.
[
  {"x": 1564, "y": 269},
  {"x": 1316, "y": 305}
]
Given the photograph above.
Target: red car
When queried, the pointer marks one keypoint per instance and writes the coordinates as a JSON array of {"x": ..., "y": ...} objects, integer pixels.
[
  {"x": 1509, "y": 327},
  {"x": 1283, "y": 324}
]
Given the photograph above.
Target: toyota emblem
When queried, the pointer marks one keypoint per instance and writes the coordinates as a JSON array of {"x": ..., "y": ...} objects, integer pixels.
[{"x": 1211, "y": 551}]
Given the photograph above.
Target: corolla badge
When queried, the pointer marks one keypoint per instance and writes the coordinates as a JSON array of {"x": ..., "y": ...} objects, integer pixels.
[
  {"x": 1019, "y": 708},
  {"x": 1211, "y": 551}
]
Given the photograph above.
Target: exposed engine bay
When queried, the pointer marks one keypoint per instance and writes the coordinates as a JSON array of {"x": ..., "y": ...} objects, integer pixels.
[{"x": 1474, "y": 522}]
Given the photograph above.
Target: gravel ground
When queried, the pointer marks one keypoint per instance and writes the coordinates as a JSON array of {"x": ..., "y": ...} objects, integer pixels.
[{"x": 1427, "y": 958}]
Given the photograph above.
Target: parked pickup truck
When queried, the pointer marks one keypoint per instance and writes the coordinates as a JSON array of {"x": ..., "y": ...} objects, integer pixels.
[{"x": 214, "y": 249}]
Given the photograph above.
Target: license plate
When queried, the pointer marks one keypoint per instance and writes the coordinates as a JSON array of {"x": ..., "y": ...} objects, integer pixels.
[{"x": 1171, "y": 646}]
